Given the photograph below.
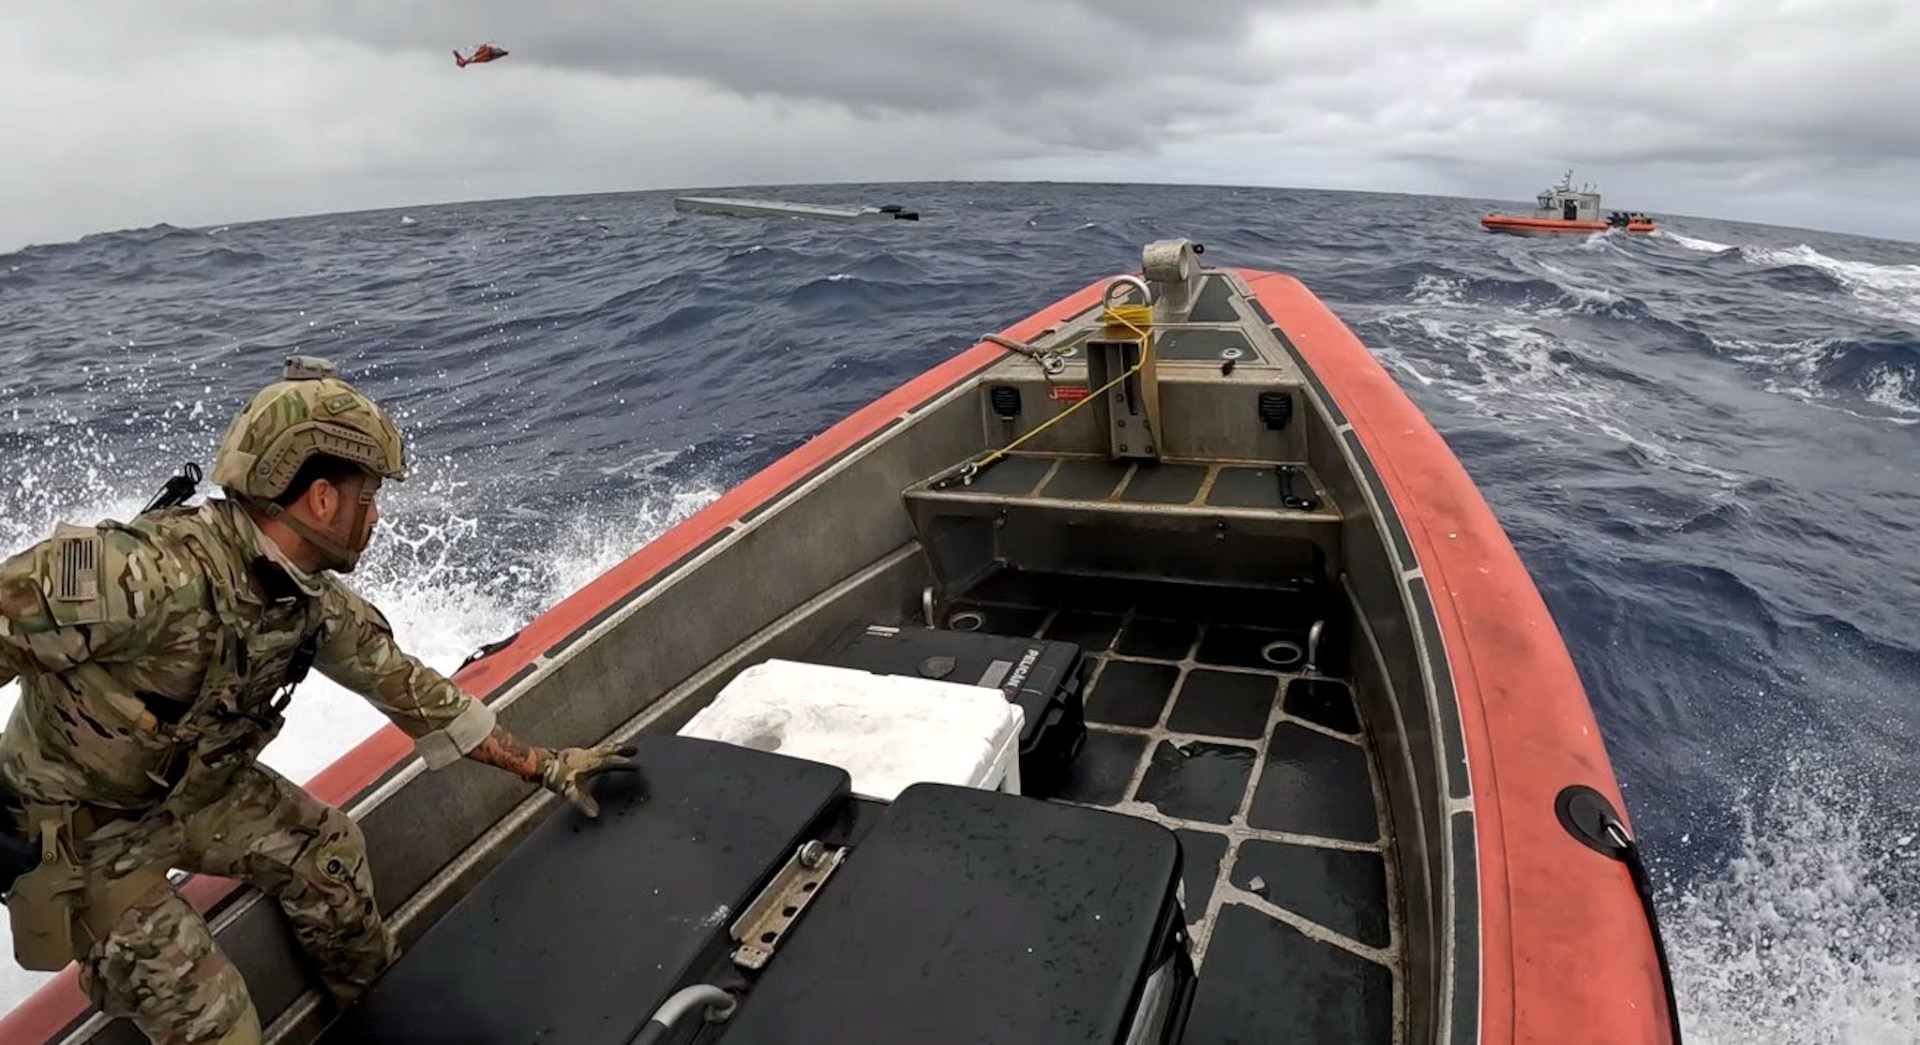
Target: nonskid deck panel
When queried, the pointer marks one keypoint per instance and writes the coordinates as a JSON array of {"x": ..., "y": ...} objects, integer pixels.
[{"x": 1263, "y": 773}]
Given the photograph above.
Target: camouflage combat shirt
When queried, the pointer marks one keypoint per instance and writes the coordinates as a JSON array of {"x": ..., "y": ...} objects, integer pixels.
[{"x": 130, "y": 639}]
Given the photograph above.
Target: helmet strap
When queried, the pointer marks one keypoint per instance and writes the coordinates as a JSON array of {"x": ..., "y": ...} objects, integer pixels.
[{"x": 335, "y": 556}]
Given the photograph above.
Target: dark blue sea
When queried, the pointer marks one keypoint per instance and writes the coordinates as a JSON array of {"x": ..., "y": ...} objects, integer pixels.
[{"x": 1705, "y": 444}]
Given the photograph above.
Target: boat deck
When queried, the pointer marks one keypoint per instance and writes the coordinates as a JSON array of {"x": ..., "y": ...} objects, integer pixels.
[{"x": 1262, "y": 770}]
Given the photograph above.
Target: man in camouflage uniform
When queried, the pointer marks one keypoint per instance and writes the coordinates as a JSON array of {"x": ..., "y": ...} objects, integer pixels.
[{"x": 155, "y": 658}]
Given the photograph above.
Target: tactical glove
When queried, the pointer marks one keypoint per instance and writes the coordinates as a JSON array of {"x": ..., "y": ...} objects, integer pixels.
[{"x": 567, "y": 771}]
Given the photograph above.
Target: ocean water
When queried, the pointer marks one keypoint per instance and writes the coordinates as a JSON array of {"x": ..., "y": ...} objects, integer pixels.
[{"x": 1705, "y": 444}]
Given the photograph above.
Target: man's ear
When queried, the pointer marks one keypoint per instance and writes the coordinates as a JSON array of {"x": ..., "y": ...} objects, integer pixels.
[{"x": 322, "y": 500}]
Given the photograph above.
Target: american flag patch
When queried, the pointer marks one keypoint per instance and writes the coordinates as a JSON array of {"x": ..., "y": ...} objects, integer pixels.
[{"x": 79, "y": 559}]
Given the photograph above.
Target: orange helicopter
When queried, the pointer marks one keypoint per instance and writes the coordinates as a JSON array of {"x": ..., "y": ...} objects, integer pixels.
[{"x": 482, "y": 53}]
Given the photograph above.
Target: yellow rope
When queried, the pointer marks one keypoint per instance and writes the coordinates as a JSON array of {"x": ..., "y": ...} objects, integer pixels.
[
  {"x": 1119, "y": 321},
  {"x": 1136, "y": 318}
]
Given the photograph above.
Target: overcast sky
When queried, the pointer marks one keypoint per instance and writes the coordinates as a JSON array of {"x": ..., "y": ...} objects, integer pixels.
[{"x": 118, "y": 114}]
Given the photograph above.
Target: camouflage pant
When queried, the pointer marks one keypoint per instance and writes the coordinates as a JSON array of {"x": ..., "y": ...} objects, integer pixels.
[{"x": 159, "y": 965}]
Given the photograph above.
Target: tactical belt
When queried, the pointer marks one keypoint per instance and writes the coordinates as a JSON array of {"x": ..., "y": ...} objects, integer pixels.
[{"x": 89, "y": 818}]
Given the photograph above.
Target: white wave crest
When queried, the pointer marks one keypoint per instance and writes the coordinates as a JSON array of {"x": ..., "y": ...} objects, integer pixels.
[
  {"x": 1793, "y": 369},
  {"x": 1885, "y": 291},
  {"x": 1705, "y": 246},
  {"x": 1586, "y": 296},
  {"x": 1897, "y": 390},
  {"x": 1518, "y": 365}
]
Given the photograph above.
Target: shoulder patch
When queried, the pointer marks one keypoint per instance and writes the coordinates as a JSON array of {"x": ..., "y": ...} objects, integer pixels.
[{"x": 76, "y": 565}]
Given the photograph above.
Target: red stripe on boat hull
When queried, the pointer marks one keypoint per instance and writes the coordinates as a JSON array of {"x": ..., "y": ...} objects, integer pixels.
[{"x": 1566, "y": 953}]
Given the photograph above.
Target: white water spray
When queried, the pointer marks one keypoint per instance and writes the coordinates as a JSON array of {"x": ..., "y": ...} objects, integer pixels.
[{"x": 1809, "y": 935}]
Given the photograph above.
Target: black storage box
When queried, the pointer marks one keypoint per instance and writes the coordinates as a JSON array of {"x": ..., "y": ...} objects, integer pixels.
[
  {"x": 972, "y": 916},
  {"x": 1044, "y": 677},
  {"x": 588, "y": 925}
]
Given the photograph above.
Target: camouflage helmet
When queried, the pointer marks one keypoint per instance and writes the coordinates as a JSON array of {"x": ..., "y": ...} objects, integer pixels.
[{"x": 309, "y": 412}]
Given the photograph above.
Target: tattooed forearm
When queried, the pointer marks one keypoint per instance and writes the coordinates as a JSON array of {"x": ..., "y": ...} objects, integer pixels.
[{"x": 510, "y": 753}]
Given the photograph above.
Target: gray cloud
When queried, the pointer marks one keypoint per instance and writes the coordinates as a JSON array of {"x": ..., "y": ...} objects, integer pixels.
[{"x": 865, "y": 54}]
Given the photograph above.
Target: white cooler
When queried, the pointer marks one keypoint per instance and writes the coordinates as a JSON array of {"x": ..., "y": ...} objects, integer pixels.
[{"x": 886, "y": 731}]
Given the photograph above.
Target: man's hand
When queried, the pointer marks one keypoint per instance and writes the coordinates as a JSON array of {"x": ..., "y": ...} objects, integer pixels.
[
  {"x": 567, "y": 771},
  {"x": 564, "y": 772}
]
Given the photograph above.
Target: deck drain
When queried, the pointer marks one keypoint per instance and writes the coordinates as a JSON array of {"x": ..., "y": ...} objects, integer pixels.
[
  {"x": 966, "y": 620},
  {"x": 1282, "y": 654},
  {"x": 1231, "y": 352}
]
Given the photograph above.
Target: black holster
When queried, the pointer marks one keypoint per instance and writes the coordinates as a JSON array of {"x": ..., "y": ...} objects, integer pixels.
[{"x": 18, "y": 853}]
